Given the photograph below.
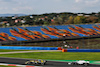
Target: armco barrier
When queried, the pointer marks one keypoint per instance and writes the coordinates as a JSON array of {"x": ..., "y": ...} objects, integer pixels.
[
  {"x": 28, "y": 48},
  {"x": 83, "y": 50}
]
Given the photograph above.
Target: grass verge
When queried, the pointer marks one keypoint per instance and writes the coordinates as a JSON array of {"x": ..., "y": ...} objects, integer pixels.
[{"x": 57, "y": 55}]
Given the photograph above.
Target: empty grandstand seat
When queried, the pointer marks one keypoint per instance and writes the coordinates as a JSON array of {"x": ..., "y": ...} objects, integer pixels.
[{"x": 46, "y": 32}]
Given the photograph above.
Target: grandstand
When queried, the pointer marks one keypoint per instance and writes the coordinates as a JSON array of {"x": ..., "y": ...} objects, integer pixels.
[{"x": 51, "y": 35}]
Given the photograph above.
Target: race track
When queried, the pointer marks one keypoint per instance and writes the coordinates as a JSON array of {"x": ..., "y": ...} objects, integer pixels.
[{"x": 48, "y": 64}]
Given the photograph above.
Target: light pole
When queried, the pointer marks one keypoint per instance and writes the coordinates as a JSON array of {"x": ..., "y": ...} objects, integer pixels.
[{"x": 64, "y": 42}]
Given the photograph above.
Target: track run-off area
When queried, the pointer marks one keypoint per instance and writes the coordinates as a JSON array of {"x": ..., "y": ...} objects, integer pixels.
[
  {"x": 30, "y": 51},
  {"x": 50, "y": 63}
]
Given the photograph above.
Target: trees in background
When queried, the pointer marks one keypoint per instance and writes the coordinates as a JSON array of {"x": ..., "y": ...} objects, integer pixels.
[
  {"x": 70, "y": 20},
  {"x": 79, "y": 20},
  {"x": 92, "y": 19},
  {"x": 51, "y": 19},
  {"x": 99, "y": 17}
]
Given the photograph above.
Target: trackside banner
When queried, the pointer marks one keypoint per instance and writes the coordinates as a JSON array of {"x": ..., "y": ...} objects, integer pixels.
[{"x": 28, "y": 48}]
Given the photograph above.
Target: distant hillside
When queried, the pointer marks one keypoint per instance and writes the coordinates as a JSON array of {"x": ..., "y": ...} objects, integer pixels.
[{"x": 7, "y": 15}]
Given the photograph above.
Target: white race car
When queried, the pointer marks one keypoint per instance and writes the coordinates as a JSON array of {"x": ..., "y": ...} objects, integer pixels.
[{"x": 80, "y": 62}]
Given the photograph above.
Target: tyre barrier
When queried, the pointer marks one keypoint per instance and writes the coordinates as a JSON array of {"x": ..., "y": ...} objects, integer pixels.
[
  {"x": 28, "y": 48},
  {"x": 83, "y": 50}
]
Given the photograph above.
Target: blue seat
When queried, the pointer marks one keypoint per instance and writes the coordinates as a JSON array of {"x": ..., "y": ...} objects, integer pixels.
[{"x": 38, "y": 28}]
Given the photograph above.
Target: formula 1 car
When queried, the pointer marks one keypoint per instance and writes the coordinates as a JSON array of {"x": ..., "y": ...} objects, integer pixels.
[
  {"x": 80, "y": 62},
  {"x": 35, "y": 62}
]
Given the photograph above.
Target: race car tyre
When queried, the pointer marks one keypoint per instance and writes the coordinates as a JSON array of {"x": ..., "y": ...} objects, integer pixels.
[
  {"x": 85, "y": 64},
  {"x": 73, "y": 63},
  {"x": 42, "y": 63}
]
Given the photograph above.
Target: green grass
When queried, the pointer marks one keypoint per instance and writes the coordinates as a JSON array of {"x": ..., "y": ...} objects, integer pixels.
[
  {"x": 2, "y": 50},
  {"x": 57, "y": 55}
]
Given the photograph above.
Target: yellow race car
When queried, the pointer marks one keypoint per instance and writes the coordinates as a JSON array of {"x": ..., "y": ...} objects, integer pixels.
[{"x": 34, "y": 62}]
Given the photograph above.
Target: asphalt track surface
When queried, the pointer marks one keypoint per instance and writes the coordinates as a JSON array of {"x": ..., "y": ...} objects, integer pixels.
[{"x": 48, "y": 64}]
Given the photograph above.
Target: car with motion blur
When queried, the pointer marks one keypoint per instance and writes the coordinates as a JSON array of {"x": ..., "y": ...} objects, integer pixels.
[
  {"x": 36, "y": 62},
  {"x": 80, "y": 62}
]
